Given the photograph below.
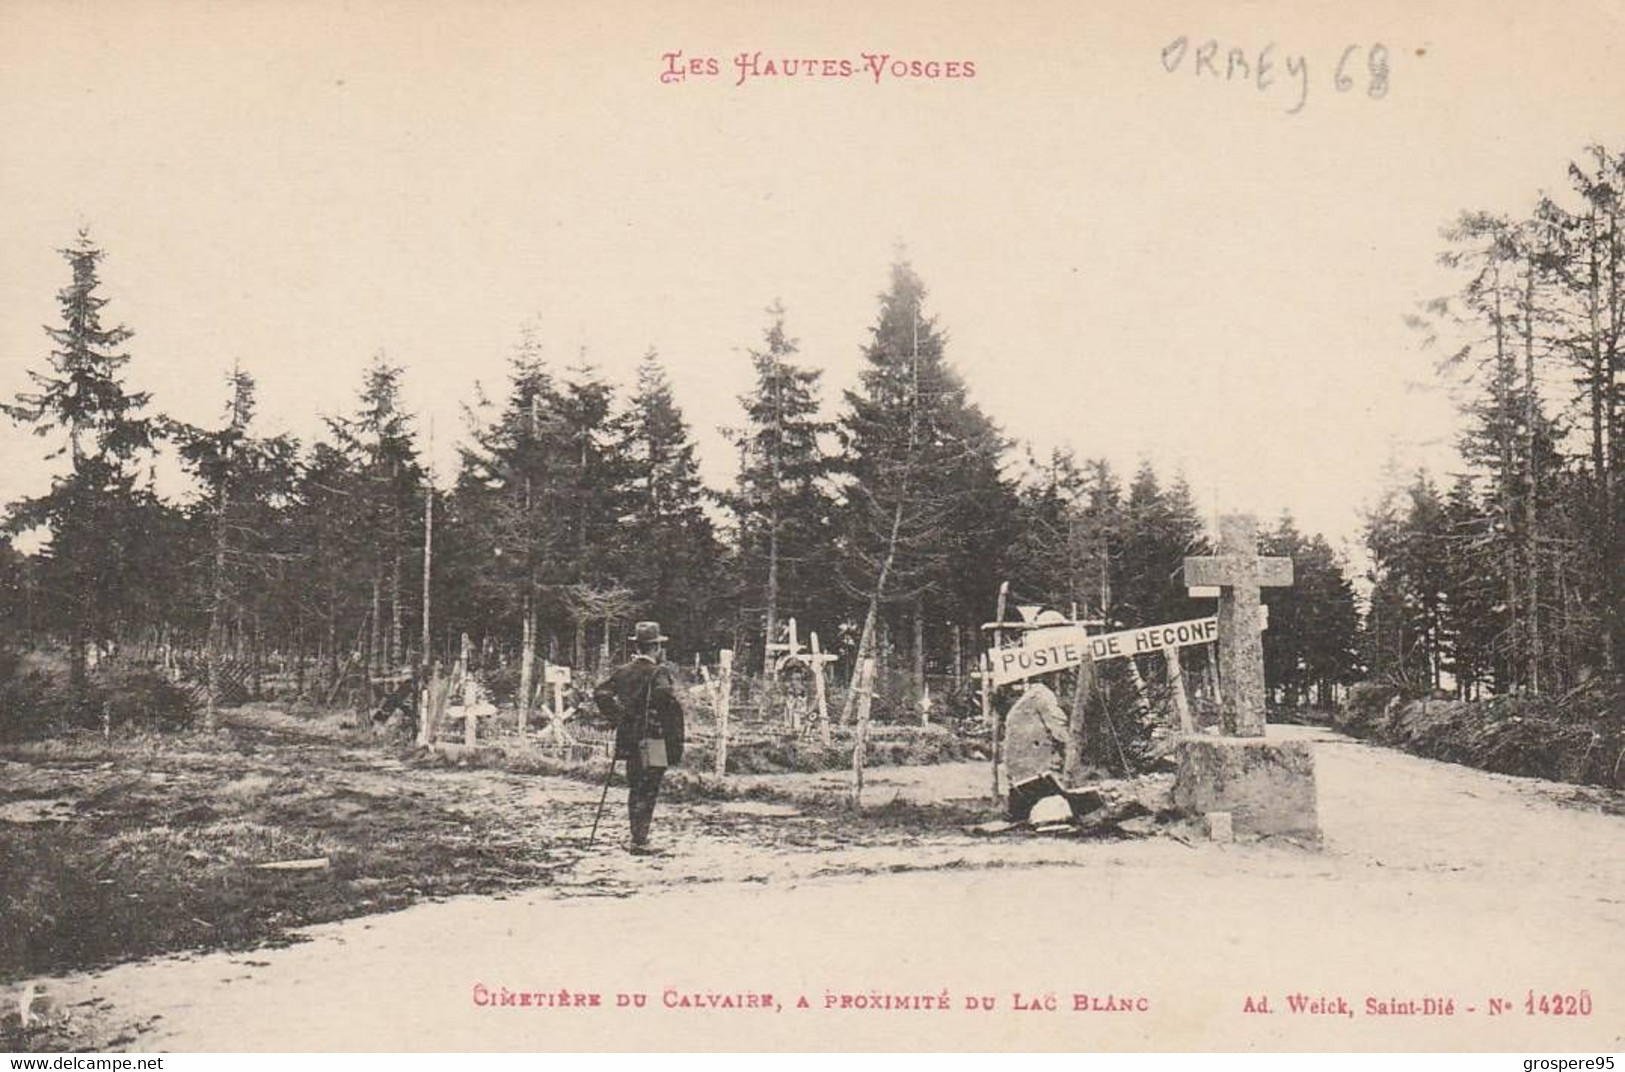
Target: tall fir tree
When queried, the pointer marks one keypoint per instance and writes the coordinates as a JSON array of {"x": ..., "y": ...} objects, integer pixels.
[
  {"x": 97, "y": 555},
  {"x": 512, "y": 496},
  {"x": 1310, "y": 646},
  {"x": 923, "y": 534},
  {"x": 781, "y": 501},
  {"x": 597, "y": 489},
  {"x": 1159, "y": 529},
  {"x": 386, "y": 488},
  {"x": 1052, "y": 550},
  {"x": 1473, "y": 605},
  {"x": 1424, "y": 565},
  {"x": 245, "y": 481},
  {"x": 1587, "y": 265},
  {"x": 671, "y": 548}
]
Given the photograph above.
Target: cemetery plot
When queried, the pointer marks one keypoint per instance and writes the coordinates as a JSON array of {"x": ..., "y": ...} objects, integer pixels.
[
  {"x": 124, "y": 849},
  {"x": 1398, "y": 887}
]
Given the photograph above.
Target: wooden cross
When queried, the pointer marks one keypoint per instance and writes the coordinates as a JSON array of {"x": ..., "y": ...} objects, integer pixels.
[
  {"x": 720, "y": 698},
  {"x": 791, "y": 646},
  {"x": 818, "y": 659},
  {"x": 558, "y": 719},
  {"x": 1238, "y": 572}
]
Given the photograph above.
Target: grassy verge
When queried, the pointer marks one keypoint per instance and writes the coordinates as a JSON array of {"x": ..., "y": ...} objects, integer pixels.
[
  {"x": 693, "y": 782},
  {"x": 152, "y": 844},
  {"x": 1578, "y": 737}
]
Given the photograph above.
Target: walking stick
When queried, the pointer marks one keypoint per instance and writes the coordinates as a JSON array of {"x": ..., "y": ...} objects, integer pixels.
[
  {"x": 599, "y": 814},
  {"x": 615, "y": 755}
]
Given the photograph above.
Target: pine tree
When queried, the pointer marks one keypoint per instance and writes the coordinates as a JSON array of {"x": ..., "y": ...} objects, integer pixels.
[
  {"x": 326, "y": 526},
  {"x": 925, "y": 500},
  {"x": 1052, "y": 551},
  {"x": 895, "y": 512},
  {"x": 245, "y": 480},
  {"x": 18, "y": 595},
  {"x": 385, "y": 489},
  {"x": 1485, "y": 247},
  {"x": 1471, "y": 592},
  {"x": 1588, "y": 267},
  {"x": 512, "y": 502},
  {"x": 1423, "y": 564},
  {"x": 1513, "y": 268},
  {"x": 671, "y": 546},
  {"x": 1329, "y": 618},
  {"x": 781, "y": 501},
  {"x": 1386, "y": 643},
  {"x": 981, "y": 530},
  {"x": 1287, "y": 638},
  {"x": 1159, "y": 529},
  {"x": 1105, "y": 531},
  {"x": 95, "y": 513},
  {"x": 596, "y": 486}
]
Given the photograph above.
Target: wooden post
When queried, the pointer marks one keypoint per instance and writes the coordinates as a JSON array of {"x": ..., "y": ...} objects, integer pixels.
[
  {"x": 987, "y": 717},
  {"x": 1176, "y": 687},
  {"x": 987, "y": 671},
  {"x": 564, "y": 735},
  {"x": 1141, "y": 704},
  {"x": 1210, "y": 673},
  {"x": 860, "y": 745},
  {"x": 725, "y": 673},
  {"x": 441, "y": 699},
  {"x": 471, "y": 721},
  {"x": 428, "y": 548},
  {"x": 959, "y": 656},
  {"x": 527, "y": 664},
  {"x": 819, "y": 694},
  {"x": 538, "y": 698},
  {"x": 439, "y": 690},
  {"x": 1077, "y": 721},
  {"x": 426, "y": 712}
]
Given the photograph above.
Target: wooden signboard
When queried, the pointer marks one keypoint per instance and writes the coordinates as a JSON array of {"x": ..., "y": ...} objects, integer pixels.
[{"x": 1048, "y": 650}]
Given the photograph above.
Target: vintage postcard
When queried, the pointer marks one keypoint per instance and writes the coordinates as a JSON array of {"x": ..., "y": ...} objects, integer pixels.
[{"x": 537, "y": 525}]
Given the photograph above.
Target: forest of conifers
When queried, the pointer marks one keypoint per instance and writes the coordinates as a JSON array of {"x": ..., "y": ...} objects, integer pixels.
[{"x": 885, "y": 519}]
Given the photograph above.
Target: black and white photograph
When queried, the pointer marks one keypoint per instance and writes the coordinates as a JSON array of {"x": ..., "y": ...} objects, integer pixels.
[{"x": 545, "y": 526}]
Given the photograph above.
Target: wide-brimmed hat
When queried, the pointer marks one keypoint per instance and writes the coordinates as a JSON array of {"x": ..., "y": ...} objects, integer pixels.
[{"x": 648, "y": 633}]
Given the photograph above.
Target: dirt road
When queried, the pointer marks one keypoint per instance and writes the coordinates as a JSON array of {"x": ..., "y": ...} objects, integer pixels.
[{"x": 1437, "y": 882}]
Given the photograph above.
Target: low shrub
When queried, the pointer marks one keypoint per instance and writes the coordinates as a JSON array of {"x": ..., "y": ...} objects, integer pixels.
[
  {"x": 36, "y": 703},
  {"x": 1578, "y": 737},
  {"x": 889, "y": 746},
  {"x": 138, "y": 697},
  {"x": 503, "y": 682},
  {"x": 1367, "y": 702},
  {"x": 29, "y": 704}
]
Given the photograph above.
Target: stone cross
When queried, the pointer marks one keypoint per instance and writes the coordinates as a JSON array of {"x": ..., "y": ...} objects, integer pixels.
[{"x": 1238, "y": 572}]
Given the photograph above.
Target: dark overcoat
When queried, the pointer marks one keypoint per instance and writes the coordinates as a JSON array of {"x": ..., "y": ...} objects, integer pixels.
[{"x": 620, "y": 698}]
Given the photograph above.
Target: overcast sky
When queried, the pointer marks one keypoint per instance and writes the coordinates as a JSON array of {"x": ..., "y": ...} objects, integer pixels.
[{"x": 1132, "y": 262}]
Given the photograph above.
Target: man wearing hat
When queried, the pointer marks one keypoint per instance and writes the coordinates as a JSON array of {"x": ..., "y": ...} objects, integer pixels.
[{"x": 640, "y": 698}]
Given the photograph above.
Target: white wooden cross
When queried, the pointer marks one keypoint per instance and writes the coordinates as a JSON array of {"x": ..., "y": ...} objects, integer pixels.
[
  {"x": 817, "y": 660},
  {"x": 559, "y": 718},
  {"x": 790, "y": 646}
]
